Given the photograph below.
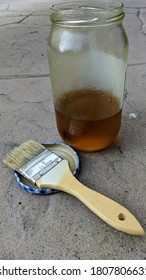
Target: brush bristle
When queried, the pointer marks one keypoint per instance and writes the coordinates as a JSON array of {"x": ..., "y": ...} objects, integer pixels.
[{"x": 23, "y": 154}]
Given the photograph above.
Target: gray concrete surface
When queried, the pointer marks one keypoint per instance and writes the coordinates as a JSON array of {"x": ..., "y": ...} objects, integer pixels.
[{"x": 59, "y": 226}]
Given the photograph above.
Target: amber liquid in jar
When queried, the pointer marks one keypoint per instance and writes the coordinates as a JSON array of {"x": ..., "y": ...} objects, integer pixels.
[{"x": 88, "y": 119}]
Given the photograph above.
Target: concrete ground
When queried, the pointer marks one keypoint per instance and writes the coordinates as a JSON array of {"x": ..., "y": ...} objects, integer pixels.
[{"x": 59, "y": 226}]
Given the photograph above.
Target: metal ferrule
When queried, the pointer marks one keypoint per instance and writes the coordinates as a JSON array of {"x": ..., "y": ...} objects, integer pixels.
[{"x": 39, "y": 165}]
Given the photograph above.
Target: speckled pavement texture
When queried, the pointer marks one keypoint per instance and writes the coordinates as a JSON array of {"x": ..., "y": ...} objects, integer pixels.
[{"x": 59, "y": 226}]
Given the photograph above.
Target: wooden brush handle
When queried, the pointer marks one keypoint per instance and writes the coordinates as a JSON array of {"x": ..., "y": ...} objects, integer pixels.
[{"x": 107, "y": 209}]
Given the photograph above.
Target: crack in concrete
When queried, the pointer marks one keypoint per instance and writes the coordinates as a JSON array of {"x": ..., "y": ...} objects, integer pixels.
[
  {"x": 125, "y": 100},
  {"x": 10, "y": 77},
  {"x": 137, "y": 64},
  {"x": 120, "y": 150},
  {"x": 27, "y": 16},
  {"x": 6, "y": 97},
  {"x": 23, "y": 19},
  {"x": 125, "y": 94},
  {"x": 19, "y": 21},
  {"x": 134, "y": 7},
  {"x": 7, "y": 24},
  {"x": 141, "y": 21}
]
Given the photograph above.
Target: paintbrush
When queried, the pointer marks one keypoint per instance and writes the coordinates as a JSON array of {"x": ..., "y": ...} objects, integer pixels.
[{"x": 45, "y": 169}]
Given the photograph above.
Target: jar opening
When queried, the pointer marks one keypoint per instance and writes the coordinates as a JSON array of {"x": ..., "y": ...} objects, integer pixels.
[{"x": 81, "y": 12}]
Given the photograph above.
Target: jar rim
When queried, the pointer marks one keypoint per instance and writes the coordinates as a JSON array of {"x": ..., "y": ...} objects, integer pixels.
[{"x": 81, "y": 12}]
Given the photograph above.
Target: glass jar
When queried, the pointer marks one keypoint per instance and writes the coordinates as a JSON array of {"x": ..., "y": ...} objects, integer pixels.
[{"x": 87, "y": 52}]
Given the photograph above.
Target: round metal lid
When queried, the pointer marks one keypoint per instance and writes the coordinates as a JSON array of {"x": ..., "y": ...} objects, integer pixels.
[{"x": 61, "y": 149}]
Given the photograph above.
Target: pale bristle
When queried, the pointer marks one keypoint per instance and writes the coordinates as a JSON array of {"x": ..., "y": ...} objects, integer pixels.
[{"x": 23, "y": 154}]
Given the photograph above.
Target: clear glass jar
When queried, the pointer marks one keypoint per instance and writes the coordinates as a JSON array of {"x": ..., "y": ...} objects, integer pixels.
[{"x": 87, "y": 52}]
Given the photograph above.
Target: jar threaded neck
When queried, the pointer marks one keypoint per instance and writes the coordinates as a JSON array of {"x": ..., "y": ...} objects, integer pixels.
[{"x": 87, "y": 12}]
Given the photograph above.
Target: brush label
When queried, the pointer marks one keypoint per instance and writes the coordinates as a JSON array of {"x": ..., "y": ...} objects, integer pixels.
[{"x": 40, "y": 166}]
